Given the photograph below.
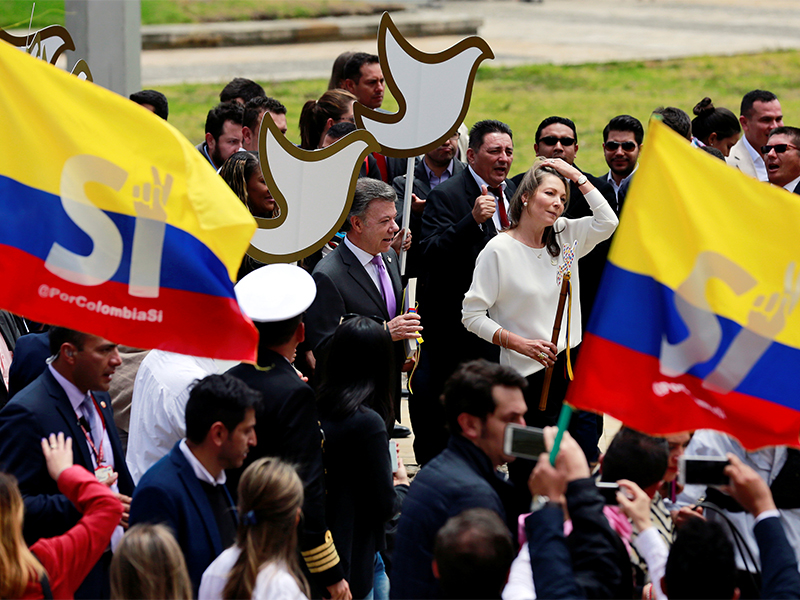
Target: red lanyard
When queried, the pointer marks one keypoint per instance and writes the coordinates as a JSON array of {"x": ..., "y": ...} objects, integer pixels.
[{"x": 98, "y": 454}]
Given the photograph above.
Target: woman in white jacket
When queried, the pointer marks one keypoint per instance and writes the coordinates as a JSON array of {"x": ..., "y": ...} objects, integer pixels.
[{"x": 517, "y": 280}]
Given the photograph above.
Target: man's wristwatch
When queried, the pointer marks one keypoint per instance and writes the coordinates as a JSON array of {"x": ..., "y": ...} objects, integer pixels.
[{"x": 581, "y": 180}]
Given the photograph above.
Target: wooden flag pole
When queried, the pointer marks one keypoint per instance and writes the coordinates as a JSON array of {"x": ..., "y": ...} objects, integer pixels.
[{"x": 548, "y": 374}]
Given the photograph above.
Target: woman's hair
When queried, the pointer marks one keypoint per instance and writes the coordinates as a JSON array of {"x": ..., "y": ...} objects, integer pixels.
[
  {"x": 237, "y": 170},
  {"x": 148, "y": 563},
  {"x": 713, "y": 120},
  {"x": 333, "y": 104},
  {"x": 337, "y": 71},
  {"x": 343, "y": 389},
  {"x": 18, "y": 567},
  {"x": 530, "y": 183},
  {"x": 270, "y": 494}
]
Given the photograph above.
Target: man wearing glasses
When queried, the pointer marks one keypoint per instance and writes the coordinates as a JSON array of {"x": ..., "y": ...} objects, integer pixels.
[
  {"x": 782, "y": 158},
  {"x": 557, "y": 137},
  {"x": 622, "y": 141}
]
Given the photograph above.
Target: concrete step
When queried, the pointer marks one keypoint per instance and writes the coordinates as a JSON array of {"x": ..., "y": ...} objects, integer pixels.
[{"x": 298, "y": 31}]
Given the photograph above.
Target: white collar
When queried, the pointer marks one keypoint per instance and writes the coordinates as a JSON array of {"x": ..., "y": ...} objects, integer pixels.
[
  {"x": 479, "y": 180},
  {"x": 789, "y": 187},
  {"x": 199, "y": 470},
  {"x": 755, "y": 155},
  {"x": 363, "y": 256}
]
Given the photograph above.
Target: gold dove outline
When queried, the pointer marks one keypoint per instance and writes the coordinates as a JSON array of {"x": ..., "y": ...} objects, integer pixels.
[
  {"x": 360, "y": 111},
  {"x": 267, "y": 124},
  {"x": 20, "y": 41}
]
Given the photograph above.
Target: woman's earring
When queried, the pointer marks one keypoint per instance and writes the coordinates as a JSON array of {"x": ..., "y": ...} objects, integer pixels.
[{"x": 525, "y": 203}]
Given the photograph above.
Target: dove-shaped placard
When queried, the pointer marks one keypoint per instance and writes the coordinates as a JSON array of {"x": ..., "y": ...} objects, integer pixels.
[
  {"x": 432, "y": 90},
  {"x": 47, "y": 44},
  {"x": 313, "y": 188}
]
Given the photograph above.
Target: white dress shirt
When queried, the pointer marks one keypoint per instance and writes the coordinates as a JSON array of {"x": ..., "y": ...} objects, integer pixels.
[{"x": 158, "y": 406}]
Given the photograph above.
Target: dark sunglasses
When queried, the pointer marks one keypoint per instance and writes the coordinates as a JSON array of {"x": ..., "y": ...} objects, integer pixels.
[
  {"x": 349, "y": 316},
  {"x": 552, "y": 140},
  {"x": 627, "y": 146},
  {"x": 779, "y": 148}
]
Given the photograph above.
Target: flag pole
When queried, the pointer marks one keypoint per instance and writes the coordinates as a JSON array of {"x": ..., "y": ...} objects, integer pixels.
[
  {"x": 406, "y": 219},
  {"x": 548, "y": 374}
]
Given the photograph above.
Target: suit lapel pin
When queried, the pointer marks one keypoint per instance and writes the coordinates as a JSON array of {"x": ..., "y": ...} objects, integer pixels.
[
  {"x": 388, "y": 259},
  {"x": 103, "y": 403}
]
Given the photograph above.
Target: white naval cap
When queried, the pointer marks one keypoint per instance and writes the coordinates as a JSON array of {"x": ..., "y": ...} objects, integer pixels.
[{"x": 275, "y": 293}]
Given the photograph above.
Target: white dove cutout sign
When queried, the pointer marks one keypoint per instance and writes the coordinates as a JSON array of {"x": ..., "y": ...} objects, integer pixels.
[
  {"x": 314, "y": 189},
  {"x": 48, "y": 44},
  {"x": 432, "y": 90}
]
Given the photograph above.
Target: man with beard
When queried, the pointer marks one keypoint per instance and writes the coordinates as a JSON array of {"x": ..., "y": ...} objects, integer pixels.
[
  {"x": 223, "y": 133},
  {"x": 622, "y": 142}
]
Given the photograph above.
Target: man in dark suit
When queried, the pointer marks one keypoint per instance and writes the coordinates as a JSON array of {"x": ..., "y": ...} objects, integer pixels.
[
  {"x": 362, "y": 276},
  {"x": 287, "y": 424},
  {"x": 437, "y": 166},
  {"x": 461, "y": 216},
  {"x": 30, "y": 356},
  {"x": 186, "y": 489},
  {"x": 70, "y": 396},
  {"x": 557, "y": 137},
  {"x": 783, "y": 158}
]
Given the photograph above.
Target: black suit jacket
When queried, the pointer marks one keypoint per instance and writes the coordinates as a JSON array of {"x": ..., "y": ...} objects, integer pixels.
[
  {"x": 31, "y": 352},
  {"x": 287, "y": 426},
  {"x": 422, "y": 188},
  {"x": 451, "y": 242},
  {"x": 343, "y": 287},
  {"x": 35, "y": 412}
]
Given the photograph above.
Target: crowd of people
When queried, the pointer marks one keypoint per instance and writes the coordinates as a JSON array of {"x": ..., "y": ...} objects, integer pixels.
[{"x": 127, "y": 473}]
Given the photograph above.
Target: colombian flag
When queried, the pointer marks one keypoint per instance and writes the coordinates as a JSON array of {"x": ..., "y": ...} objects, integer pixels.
[
  {"x": 111, "y": 222},
  {"x": 696, "y": 324}
]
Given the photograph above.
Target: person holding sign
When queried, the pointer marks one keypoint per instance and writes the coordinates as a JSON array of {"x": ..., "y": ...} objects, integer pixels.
[{"x": 517, "y": 281}]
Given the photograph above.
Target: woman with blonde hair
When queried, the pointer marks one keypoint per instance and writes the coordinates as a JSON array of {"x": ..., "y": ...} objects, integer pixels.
[
  {"x": 55, "y": 567},
  {"x": 263, "y": 564},
  {"x": 317, "y": 116},
  {"x": 516, "y": 285},
  {"x": 149, "y": 564}
]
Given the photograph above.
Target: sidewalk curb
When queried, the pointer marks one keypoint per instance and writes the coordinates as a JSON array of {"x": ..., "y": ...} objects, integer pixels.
[{"x": 297, "y": 31}]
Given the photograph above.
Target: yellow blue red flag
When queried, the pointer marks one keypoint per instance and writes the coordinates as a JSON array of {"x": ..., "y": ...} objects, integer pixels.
[
  {"x": 696, "y": 322},
  {"x": 111, "y": 222}
]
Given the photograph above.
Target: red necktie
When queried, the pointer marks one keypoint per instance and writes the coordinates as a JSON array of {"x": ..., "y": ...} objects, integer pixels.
[{"x": 501, "y": 206}]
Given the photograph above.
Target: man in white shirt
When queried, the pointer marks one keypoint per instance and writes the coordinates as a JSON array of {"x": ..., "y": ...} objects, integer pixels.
[
  {"x": 158, "y": 406},
  {"x": 760, "y": 114},
  {"x": 782, "y": 158}
]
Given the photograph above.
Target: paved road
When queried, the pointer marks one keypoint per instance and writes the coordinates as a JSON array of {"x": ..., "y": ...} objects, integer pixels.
[{"x": 554, "y": 31}]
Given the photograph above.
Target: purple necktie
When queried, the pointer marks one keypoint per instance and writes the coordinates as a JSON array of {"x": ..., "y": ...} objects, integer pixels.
[{"x": 386, "y": 286}]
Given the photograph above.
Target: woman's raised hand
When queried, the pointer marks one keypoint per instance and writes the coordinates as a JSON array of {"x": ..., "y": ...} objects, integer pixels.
[{"x": 563, "y": 168}]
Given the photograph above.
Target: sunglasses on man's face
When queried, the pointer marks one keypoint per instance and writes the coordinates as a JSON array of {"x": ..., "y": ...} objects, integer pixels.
[
  {"x": 552, "y": 140},
  {"x": 627, "y": 146},
  {"x": 779, "y": 148}
]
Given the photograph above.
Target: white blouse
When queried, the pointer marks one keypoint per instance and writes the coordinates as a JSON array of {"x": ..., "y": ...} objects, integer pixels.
[{"x": 518, "y": 286}]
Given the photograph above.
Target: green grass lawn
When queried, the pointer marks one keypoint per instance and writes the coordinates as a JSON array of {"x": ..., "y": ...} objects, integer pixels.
[
  {"x": 588, "y": 94},
  {"x": 17, "y": 13}
]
